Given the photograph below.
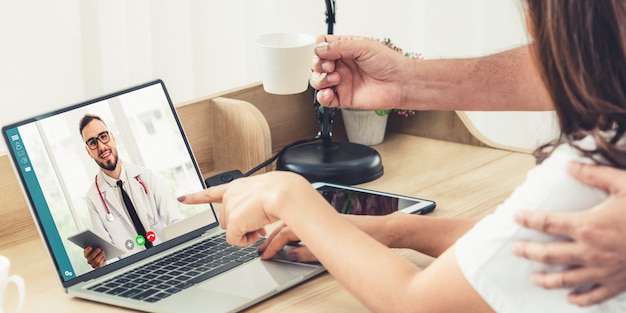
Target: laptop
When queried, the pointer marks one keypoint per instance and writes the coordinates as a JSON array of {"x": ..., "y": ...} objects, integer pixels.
[{"x": 189, "y": 266}]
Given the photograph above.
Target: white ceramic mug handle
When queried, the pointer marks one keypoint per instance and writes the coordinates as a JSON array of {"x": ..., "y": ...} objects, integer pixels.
[{"x": 21, "y": 288}]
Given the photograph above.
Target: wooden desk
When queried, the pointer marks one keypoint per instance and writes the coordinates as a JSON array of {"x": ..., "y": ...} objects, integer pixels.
[{"x": 466, "y": 181}]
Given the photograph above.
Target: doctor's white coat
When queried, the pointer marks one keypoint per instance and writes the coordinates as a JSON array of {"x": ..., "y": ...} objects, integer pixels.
[{"x": 153, "y": 202}]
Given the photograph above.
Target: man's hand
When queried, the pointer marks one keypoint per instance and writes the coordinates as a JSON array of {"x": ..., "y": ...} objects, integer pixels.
[
  {"x": 352, "y": 71},
  {"x": 95, "y": 257},
  {"x": 596, "y": 256}
]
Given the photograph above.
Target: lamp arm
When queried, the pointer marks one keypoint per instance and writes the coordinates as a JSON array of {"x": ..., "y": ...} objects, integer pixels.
[
  {"x": 330, "y": 15},
  {"x": 325, "y": 115}
]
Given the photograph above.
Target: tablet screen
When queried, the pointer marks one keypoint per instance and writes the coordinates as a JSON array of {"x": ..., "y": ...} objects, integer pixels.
[{"x": 362, "y": 202}]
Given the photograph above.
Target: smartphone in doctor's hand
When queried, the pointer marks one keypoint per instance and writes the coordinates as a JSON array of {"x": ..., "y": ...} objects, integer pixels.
[{"x": 360, "y": 201}]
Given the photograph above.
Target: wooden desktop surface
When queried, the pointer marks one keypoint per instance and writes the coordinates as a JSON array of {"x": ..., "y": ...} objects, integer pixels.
[{"x": 466, "y": 181}]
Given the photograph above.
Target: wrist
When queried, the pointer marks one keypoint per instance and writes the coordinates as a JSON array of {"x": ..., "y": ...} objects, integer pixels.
[
  {"x": 378, "y": 227},
  {"x": 390, "y": 236},
  {"x": 290, "y": 192}
]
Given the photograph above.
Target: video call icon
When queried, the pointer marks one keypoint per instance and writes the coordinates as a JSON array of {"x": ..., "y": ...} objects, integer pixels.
[
  {"x": 140, "y": 240},
  {"x": 151, "y": 236}
]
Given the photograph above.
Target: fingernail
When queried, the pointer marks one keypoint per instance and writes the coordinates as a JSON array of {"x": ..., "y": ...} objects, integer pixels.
[
  {"x": 181, "y": 199},
  {"x": 292, "y": 256},
  {"x": 521, "y": 217},
  {"x": 332, "y": 78},
  {"x": 316, "y": 77},
  {"x": 327, "y": 66},
  {"x": 574, "y": 167},
  {"x": 322, "y": 46},
  {"x": 327, "y": 93},
  {"x": 517, "y": 248},
  {"x": 535, "y": 279}
]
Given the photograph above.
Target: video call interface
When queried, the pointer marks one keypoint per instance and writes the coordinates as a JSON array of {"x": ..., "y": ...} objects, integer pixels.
[{"x": 58, "y": 172}]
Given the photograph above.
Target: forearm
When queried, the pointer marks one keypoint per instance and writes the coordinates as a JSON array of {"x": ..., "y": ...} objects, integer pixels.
[
  {"x": 353, "y": 258},
  {"x": 506, "y": 81},
  {"x": 428, "y": 235}
]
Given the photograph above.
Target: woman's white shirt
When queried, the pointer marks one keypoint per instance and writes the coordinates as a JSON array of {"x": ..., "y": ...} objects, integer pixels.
[{"x": 485, "y": 252}]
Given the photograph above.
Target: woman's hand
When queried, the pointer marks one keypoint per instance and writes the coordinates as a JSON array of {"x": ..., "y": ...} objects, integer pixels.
[
  {"x": 283, "y": 236},
  {"x": 251, "y": 203},
  {"x": 378, "y": 227}
]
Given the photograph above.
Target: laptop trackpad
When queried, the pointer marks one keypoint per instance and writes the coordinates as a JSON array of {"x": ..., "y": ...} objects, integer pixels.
[{"x": 258, "y": 278}]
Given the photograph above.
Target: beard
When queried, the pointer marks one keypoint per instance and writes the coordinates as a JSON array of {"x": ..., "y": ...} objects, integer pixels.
[{"x": 109, "y": 165}]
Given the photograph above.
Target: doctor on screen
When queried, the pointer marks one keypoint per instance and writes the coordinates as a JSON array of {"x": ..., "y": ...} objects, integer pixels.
[{"x": 127, "y": 204}]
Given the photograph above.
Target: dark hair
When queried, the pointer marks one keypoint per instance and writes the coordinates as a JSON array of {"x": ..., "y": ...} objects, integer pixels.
[
  {"x": 580, "y": 49},
  {"x": 86, "y": 119}
]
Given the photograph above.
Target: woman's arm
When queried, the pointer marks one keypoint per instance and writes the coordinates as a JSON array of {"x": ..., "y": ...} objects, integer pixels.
[
  {"x": 426, "y": 234},
  {"x": 379, "y": 277}
]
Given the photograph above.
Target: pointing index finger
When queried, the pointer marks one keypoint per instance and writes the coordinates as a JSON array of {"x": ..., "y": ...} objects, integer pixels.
[{"x": 212, "y": 194}]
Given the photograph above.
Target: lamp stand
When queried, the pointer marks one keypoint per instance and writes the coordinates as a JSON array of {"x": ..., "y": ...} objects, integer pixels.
[{"x": 333, "y": 162}]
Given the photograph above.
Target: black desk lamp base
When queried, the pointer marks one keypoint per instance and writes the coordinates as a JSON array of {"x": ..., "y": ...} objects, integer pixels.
[
  {"x": 335, "y": 162},
  {"x": 331, "y": 162}
]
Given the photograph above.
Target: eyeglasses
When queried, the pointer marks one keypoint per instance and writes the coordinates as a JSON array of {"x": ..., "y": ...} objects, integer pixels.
[{"x": 103, "y": 137}]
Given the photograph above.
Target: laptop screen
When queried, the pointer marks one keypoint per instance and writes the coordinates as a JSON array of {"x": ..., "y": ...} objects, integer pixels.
[{"x": 69, "y": 178}]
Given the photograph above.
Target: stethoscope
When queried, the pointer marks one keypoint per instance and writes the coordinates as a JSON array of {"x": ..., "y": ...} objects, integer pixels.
[{"x": 110, "y": 216}]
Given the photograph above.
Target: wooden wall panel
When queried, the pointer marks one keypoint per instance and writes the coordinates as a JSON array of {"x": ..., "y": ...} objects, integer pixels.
[{"x": 16, "y": 224}]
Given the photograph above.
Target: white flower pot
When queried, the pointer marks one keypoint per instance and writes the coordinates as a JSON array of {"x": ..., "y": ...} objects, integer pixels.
[{"x": 364, "y": 127}]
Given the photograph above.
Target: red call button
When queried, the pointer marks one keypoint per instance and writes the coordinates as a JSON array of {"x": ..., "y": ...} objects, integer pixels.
[{"x": 151, "y": 236}]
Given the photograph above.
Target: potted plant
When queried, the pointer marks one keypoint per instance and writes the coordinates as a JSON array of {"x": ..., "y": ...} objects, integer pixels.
[{"x": 368, "y": 127}]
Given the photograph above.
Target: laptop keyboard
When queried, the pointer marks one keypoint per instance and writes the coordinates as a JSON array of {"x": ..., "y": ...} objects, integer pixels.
[{"x": 178, "y": 271}]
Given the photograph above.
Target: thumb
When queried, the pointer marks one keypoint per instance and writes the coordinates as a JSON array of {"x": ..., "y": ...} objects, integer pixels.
[
  {"x": 340, "y": 47},
  {"x": 301, "y": 254}
]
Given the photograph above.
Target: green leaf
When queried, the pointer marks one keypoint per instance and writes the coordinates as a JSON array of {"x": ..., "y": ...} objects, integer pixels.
[{"x": 382, "y": 112}]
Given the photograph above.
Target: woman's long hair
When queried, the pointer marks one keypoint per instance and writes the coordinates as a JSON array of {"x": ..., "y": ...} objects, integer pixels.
[{"x": 580, "y": 50}]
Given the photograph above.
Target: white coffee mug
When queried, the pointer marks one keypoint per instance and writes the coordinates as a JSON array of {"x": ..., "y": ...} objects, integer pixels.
[
  {"x": 5, "y": 280},
  {"x": 285, "y": 62}
]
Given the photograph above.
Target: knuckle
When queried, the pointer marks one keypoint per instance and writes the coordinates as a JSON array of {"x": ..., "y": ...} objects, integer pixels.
[
  {"x": 563, "y": 282},
  {"x": 609, "y": 271},
  {"x": 553, "y": 281},
  {"x": 595, "y": 257},
  {"x": 543, "y": 255},
  {"x": 589, "y": 231},
  {"x": 546, "y": 223}
]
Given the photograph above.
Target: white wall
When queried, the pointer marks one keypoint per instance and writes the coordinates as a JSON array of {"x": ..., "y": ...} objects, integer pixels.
[
  {"x": 61, "y": 52},
  {"x": 452, "y": 29}
]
